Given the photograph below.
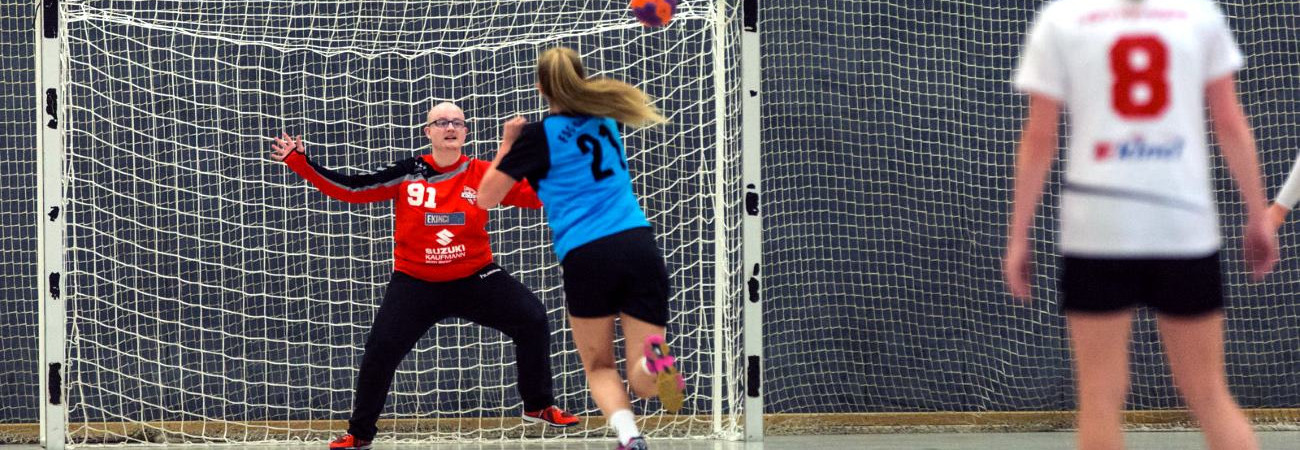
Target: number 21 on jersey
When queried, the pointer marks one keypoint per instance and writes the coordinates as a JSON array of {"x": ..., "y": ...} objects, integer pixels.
[
  {"x": 1139, "y": 64},
  {"x": 589, "y": 145}
]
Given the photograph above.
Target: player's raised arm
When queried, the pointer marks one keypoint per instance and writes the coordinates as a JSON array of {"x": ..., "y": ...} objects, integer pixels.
[
  {"x": 365, "y": 188},
  {"x": 496, "y": 184}
]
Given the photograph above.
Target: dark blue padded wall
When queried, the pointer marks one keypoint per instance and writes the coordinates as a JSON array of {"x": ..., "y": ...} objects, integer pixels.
[{"x": 889, "y": 131}]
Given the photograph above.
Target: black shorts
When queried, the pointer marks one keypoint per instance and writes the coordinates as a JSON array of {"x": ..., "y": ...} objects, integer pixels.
[
  {"x": 1179, "y": 287},
  {"x": 620, "y": 273}
]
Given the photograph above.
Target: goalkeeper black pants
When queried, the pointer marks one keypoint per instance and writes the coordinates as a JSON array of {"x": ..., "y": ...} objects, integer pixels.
[{"x": 411, "y": 306}]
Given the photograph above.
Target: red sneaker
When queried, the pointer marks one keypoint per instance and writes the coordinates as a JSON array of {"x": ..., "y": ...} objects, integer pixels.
[
  {"x": 349, "y": 442},
  {"x": 667, "y": 378},
  {"x": 552, "y": 416}
]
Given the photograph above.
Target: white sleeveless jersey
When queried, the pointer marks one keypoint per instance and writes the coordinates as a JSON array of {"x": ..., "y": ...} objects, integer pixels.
[{"x": 1132, "y": 75}]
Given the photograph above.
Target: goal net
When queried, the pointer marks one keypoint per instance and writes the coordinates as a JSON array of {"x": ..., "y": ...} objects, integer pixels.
[
  {"x": 889, "y": 137},
  {"x": 213, "y": 296},
  {"x": 19, "y": 220}
]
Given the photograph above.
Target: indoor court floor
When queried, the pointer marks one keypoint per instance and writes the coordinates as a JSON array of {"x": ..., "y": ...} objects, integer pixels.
[{"x": 1142, "y": 440}]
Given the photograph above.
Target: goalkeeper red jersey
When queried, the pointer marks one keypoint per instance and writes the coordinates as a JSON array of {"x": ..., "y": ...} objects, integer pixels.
[{"x": 439, "y": 233}]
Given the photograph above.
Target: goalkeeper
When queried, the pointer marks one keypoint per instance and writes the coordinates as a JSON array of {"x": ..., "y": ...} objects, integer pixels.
[{"x": 443, "y": 268}]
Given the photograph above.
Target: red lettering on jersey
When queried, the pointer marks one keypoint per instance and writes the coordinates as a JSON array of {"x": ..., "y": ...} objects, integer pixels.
[
  {"x": 1103, "y": 150},
  {"x": 1130, "y": 14}
]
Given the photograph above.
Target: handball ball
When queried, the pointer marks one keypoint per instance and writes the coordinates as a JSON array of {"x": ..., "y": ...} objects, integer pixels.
[{"x": 654, "y": 13}]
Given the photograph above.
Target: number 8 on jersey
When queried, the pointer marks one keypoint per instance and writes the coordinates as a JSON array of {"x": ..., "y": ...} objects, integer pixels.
[{"x": 1140, "y": 65}]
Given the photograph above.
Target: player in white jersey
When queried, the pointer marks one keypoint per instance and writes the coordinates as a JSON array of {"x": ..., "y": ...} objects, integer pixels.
[{"x": 1139, "y": 225}]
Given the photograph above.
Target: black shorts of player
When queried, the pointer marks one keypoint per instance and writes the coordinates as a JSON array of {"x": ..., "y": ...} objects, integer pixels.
[
  {"x": 620, "y": 273},
  {"x": 1177, "y": 287}
]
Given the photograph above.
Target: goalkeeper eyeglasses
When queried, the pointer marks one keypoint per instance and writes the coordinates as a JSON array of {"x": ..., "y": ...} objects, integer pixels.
[{"x": 444, "y": 123}]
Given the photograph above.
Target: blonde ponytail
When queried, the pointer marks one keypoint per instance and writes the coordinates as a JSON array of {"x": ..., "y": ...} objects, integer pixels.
[{"x": 564, "y": 82}]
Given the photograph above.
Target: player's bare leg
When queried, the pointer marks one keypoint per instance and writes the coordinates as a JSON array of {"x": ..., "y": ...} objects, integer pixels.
[
  {"x": 1195, "y": 349},
  {"x": 650, "y": 367},
  {"x": 1101, "y": 360},
  {"x": 594, "y": 338}
]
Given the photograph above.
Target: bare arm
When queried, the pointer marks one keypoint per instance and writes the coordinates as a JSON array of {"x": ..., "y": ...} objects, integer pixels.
[
  {"x": 1237, "y": 144},
  {"x": 496, "y": 184},
  {"x": 1033, "y": 162}
]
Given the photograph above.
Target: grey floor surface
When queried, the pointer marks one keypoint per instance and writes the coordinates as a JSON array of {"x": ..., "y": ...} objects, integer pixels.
[{"x": 1146, "y": 440}]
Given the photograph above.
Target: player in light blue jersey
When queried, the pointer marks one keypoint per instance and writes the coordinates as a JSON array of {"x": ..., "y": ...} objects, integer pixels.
[{"x": 613, "y": 269}]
